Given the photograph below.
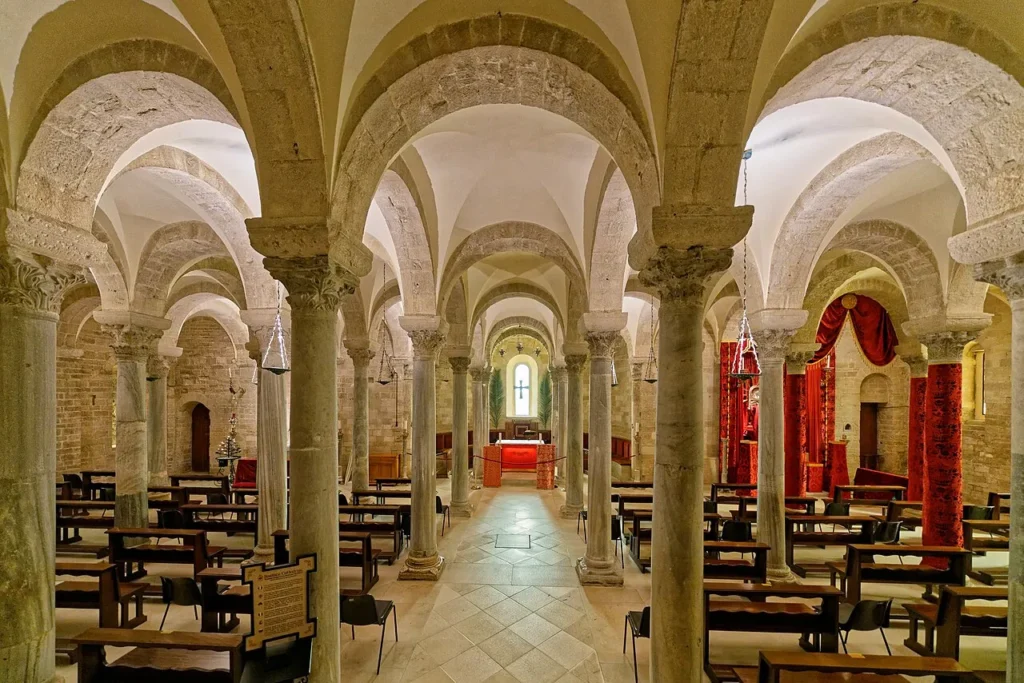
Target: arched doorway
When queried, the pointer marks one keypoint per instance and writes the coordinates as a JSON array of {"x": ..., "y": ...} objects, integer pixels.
[{"x": 200, "y": 438}]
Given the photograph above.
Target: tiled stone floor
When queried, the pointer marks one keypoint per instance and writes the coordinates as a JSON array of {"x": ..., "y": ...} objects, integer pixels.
[{"x": 507, "y": 615}]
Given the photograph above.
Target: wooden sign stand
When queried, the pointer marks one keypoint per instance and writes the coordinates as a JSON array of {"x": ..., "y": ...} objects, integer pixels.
[{"x": 280, "y": 602}]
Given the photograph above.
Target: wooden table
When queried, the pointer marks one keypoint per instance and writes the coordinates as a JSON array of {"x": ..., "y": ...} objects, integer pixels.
[
  {"x": 193, "y": 550},
  {"x": 771, "y": 664},
  {"x": 744, "y": 503},
  {"x": 87, "y": 480},
  {"x": 380, "y": 496},
  {"x": 221, "y": 608},
  {"x": 952, "y": 617},
  {"x": 632, "y": 484},
  {"x": 896, "y": 493},
  {"x": 221, "y": 483},
  {"x": 998, "y": 531},
  {"x": 738, "y": 570},
  {"x": 816, "y": 538},
  {"x": 381, "y": 482},
  {"x": 858, "y": 572},
  {"x": 721, "y": 486},
  {"x": 1000, "y": 502},
  {"x": 107, "y": 598},
  {"x": 632, "y": 498},
  {"x": 167, "y": 656},
  {"x": 641, "y": 535}
]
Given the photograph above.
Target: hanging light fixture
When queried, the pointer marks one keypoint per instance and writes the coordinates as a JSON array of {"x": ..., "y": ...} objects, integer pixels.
[
  {"x": 519, "y": 341},
  {"x": 275, "y": 358},
  {"x": 501, "y": 352},
  {"x": 536, "y": 351},
  {"x": 386, "y": 369},
  {"x": 744, "y": 364},
  {"x": 615, "y": 375},
  {"x": 651, "y": 369}
]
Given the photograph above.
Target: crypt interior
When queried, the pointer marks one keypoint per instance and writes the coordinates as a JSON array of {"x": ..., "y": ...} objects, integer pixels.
[{"x": 568, "y": 315}]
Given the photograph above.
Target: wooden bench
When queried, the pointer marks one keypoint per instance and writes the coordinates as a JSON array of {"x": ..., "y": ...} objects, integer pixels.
[
  {"x": 809, "y": 537},
  {"x": 90, "y": 485},
  {"x": 362, "y": 556},
  {"x": 222, "y": 605},
  {"x": 997, "y": 538},
  {"x": 718, "y": 487},
  {"x": 381, "y": 497},
  {"x": 907, "y": 512},
  {"x": 381, "y": 482},
  {"x": 627, "y": 499},
  {"x": 632, "y": 484},
  {"x": 839, "y": 492},
  {"x": 192, "y": 550},
  {"x": 951, "y": 618},
  {"x": 73, "y": 515},
  {"x": 773, "y": 667},
  {"x": 855, "y": 571},
  {"x": 638, "y": 534},
  {"x": 159, "y": 657},
  {"x": 754, "y": 571},
  {"x": 760, "y": 616},
  {"x": 378, "y": 528},
  {"x": 107, "y": 594},
  {"x": 224, "y": 518},
  {"x": 999, "y": 502}
]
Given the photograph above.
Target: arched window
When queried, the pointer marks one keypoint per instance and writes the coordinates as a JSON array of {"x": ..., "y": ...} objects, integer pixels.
[{"x": 521, "y": 389}]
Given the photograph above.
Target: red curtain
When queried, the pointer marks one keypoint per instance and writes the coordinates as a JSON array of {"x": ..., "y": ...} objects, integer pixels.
[
  {"x": 821, "y": 404},
  {"x": 943, "y": 441},
  {"x": 795, "y": 432},
  {"x": 871, "y": 325},
  {"x": 737, "y": 420},
  {"x": 915, "y": 449}
]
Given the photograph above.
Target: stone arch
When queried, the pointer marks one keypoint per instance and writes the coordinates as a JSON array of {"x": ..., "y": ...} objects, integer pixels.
[
  {"x": 615, "y": 221},
  {"x": 166, "y": 255},
  {"x": 904, "y": 254},
  {"x": 412, "y": 246},
  {"x": 513, "y": 236},
  {"x": 512, "y": 289},
  {"x": 283, "y": 104},
  {"x": 477, "y": 76},
  {"x": 216, "y": 288},
  {"x": 966, "y": 295},
  {"x": 823, "y": 201},
  {"x": 172, "y": 158},
  {"x": 224, "y": 311},
  {"x": 518, "y": 324},
  {"x": 455, "y": 316},
  {"x": 77, "y": 307},
  {"x": 875, "y": 388},
  {"x": 387, "y": 295},
  {"x": 353, "y": 315},
  {"x": 827, "y": 279},
  {"x": 968, "y": 104}
]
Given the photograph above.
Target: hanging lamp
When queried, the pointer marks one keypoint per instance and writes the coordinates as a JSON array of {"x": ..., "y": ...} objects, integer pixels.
[
  {"x": 386, "y": 369},
  {"x": 651, "y": 368},
  {"x": 275, "y": 359},
  {"x": 745, "y": 364},
  {"x": 615, "y": 375}
]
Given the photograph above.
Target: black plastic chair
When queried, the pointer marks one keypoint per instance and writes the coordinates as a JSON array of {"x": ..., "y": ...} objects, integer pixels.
[
  {"x": 639, "y": 624},
  {"x": 886, "y": 533},
  {"x": 582, "y": 517},
  {"x": 443, "y": 510},
  {"x": 365, "y": 610},
  {"x": 835, "y": 509},
  {"x": 180, "y": 591},
  {"x": 735, "y": 531},
  {"x": 866, "y": 615},
  {"x": 75, "y": 480},
  {"x": 710, "y": 507},
  {"x": 405, "y": 522},
  {"x": 170, "y": 519},
  {"x": 617, "y": 539},
  {"x": 107, "y": 495}
]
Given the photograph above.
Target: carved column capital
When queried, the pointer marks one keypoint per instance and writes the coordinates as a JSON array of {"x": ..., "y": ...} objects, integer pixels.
[
  {"x": 947, "y": 347},
  {"x": 460, "y": 364},
  {"x": 480, "y": 374},
  {"x": 1006, "y": 274},
  {"x": 798, "y": 356},
  {"x": 426, "y": 343},
  {"x": 35, "y": 285},
  {"x": 559, "y": 373},
  {"x": 574, "y": 363},
  {"x": 314, "y": 283},
  {"x": 359, "y": 351},
  {"x": 682, "y": 276},
  {"x": 158, "y": 367},
  {"x": 132, "y": 342},
  {"x": 772, "y": 344},
  {"x": 602, "y": 344}
]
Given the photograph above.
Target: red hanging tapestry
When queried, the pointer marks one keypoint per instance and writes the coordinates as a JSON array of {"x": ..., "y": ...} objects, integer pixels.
[
  {"x": 915, "y": 447},
  {"x": 943, "y": 482},
  {"x": 872, "y": 327}
]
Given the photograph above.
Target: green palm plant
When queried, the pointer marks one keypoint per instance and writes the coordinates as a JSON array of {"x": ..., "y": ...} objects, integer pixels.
[
  {"x": 544, "y": 400},
  {"x": 497, "y": 398}
]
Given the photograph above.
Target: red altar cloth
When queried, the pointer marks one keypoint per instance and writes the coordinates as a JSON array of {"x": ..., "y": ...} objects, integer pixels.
[
  {"x": 814, "y": 473},
  {"x": 518, "y": 457},
  {"x": 492, "y": 466},
  {"x": 546, "y": 466},
  {"x": 746, "y": 467},
  {"x": 837, "y": 472}
]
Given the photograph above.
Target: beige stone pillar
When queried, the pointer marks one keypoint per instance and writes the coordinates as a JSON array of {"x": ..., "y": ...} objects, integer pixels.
[
  {"x": 677, "y": 596},
  {"x": 599, "y": 566},
  {"x": 315, "y": 288},
  {"x": 458, "y": 358},
  {"x": 481, "y": 430},
  {"x": 30, "y": 298},
  {"x": 271, "y": 438},
  {"x": 157, "y": 369},
  {"x": 134, "y": 340},
  {"x": 360, "y": 353},
  {"x": 1008, "y": 275},
  {"x": 575, "y": 359},
  {"x": 559, "y": 380},
  {"x": 423, "y": 561},
  {"x": 773, "y": 329}
]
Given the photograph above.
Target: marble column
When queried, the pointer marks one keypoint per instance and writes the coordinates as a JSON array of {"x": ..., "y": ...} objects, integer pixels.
[
  {"x": 481, "y": 431},
  {"x": 772, "y": 345},
  {"x": 316, "y": 287},
  {"x": 575, "y": 359},
  {"x": 30, "y": 297},
  {"x": 271, "y": 441},
  {"x": 1008, "y": 275},
  {"x": 458, "y": 358},
  {"x": 559, "y": 378},
  {"x": 677, "y": 596},
  {"x": 360, "y": 353},
  {"x": 599, "y": 566},
  {"x": 796, "y": 417},
  {"x": 423, "y": 561},
  {"x": 134, "y": 340},
  {"x": 157, "y": 369}
]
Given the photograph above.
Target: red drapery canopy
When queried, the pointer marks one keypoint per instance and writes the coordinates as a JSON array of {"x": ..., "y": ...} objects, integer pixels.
[
  {"x": 871, "y": 325},
  {"x": 737, "y": 418}
]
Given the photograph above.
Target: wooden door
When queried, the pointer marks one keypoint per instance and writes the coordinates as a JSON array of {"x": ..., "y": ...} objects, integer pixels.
[
  {"x": 869, "y": 435},
  {"x": 200, "y": 438}
]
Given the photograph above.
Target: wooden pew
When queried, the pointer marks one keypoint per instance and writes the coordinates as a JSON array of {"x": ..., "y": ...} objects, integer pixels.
[
  {"x": 997, "y": 538},
  {"x": 856, "y": 571},
  {"x": 716, "y": 567},
  {"x": 382, "y": 497},
  {"x": 159, "y": 657},
  {"x": 759, "y": 616},
  {"x": 222, "y": 605},
  {"x": 639, "y": 534},
  {"x": 193, "y": 550},
  {"x": 362, "y": 556},
  {"x": 381, "y": 482},
  {"x": 201, "y": 516},
  {"x": 626, "y": 499},
  {"x": 73, "y": 515},
  {"x": 718, "y": 487},
  {"x": 390, "y": 529},
  {"x": 1000, "y": 502},
  {"x": 839, "y": 492},
  {"x": 107, "y": 595},
  {"x": 215, "y": 483},
  {"x": 951, "y": 618},
  {"x": 906, "y": 512},
  {"x": 809, "y": 537},
  {"x": 802, "y": 504},
  {"x": 89, "y": 483},
  {"x": 873, "y": 668}
]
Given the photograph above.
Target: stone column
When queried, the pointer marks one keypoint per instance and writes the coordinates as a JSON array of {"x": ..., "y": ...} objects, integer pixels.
[
  {"x": 677, "y": 596},
  {"x": 773, "y": 329},
  {"x": 360, "y": 353},
  {"x": 1008, "y": 275},
  {"x": 315, "y": 287},
  {"x": 559, "y": 378},
  {"x": 157, "y": 369},
  {"x": 423, "y": 561},
  {"x": 271, "y": 438},
  {"x": 575, "y": 358},
  {"x": 30, "y": 297},
  {"x": 134, "y": 340},
  {"x": 458, "y": 358},
  {"x": 796, "y": 417},
  {"x": 599, "y": 566},
  {"x": 481, "y": 431},
  {"x": 918, "y": 409}
]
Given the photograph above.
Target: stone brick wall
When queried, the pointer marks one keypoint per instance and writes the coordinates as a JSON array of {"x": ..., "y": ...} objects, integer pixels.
[
  {"x": 986, "y": 442},
  {"x": 201, "y": 375},
  {"x": 86, "y": 386}
]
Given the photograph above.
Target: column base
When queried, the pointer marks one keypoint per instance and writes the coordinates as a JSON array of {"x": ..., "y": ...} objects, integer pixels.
[
  {"x": 422, "y": 570},
  {"x": 260, "y": 555},
  {"x": 592, "y": 576},
  {"x": 570, "y": 511},
  {"x": 461, "y": 509},
  {"x": 781, "y": 575}
]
